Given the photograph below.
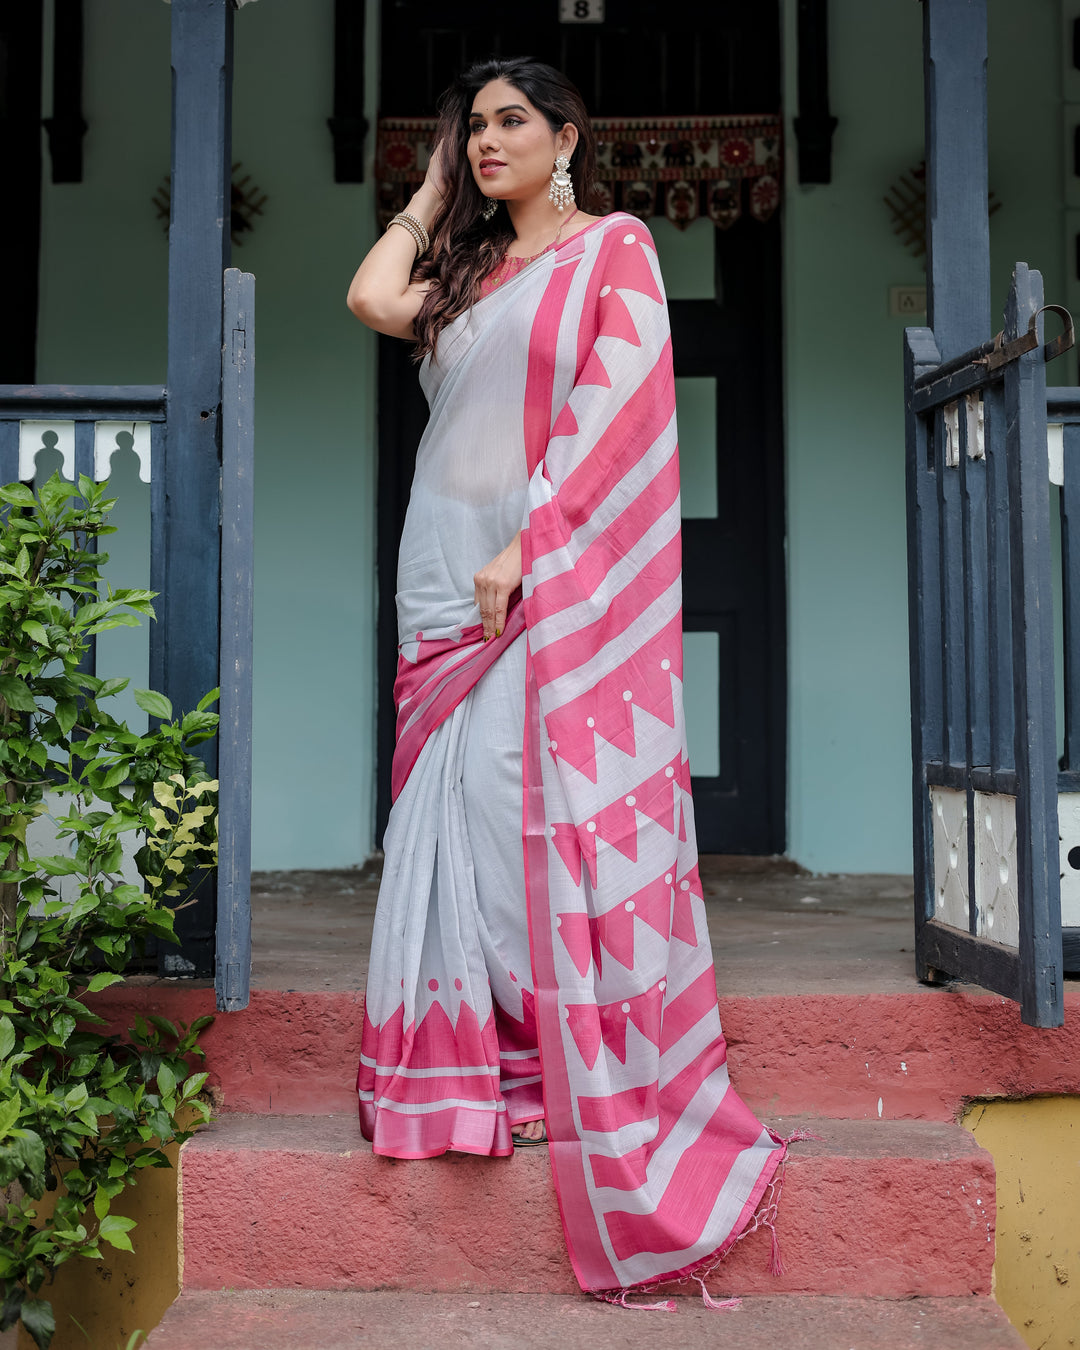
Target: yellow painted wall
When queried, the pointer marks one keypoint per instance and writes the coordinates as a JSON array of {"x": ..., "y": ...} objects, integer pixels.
[
  {"x": 1035, "y": 1145},
  {"x": 127, "y": 1291}
]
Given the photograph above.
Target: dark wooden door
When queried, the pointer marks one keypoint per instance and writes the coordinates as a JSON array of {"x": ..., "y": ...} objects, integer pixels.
[
  {"x": 650, "y": 59},
  {"x": 20, "y": 229}
]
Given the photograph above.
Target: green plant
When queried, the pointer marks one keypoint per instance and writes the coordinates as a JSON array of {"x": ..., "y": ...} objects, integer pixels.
[
  {"x": 130, "y": 1344},
  {"x": 81, "y": 1112}
]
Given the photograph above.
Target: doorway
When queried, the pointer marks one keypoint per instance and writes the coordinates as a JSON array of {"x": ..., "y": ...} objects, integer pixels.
[{"x": 650, "y": 59}]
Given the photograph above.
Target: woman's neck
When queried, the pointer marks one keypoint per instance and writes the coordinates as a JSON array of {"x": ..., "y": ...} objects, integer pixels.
[{"x": 535, "y": 223}]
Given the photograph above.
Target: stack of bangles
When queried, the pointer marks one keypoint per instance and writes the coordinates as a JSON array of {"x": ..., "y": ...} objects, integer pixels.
[{"x": 415, "y": 228}]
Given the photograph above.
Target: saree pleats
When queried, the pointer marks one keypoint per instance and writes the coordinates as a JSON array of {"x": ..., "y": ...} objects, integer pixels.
[{"x": 541, "y": 925}]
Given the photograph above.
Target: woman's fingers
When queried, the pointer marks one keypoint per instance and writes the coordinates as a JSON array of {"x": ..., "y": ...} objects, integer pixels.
[
  {"x": 493, "y": 586},
  {"x": 492, "y": 602},
  {"x": 492, "y": 598}
]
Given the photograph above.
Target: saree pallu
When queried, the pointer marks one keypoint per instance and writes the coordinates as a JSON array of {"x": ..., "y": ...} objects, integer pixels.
[{"x": 552, "y": 411}]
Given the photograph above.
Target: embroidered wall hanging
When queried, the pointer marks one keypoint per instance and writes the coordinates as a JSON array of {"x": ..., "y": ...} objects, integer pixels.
[{"x": 678, "y": 167}]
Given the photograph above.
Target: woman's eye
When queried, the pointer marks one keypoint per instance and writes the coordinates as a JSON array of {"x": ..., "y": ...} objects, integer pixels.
[
  {"x": 476, "y": 128},
  {"x": 512, "y": 122}
]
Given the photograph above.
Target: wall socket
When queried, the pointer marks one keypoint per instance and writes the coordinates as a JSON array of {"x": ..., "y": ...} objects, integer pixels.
[{"x": 907, "y": 302}]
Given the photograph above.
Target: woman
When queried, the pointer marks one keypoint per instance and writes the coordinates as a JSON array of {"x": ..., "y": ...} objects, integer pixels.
[{"x": 541, "y": 969}]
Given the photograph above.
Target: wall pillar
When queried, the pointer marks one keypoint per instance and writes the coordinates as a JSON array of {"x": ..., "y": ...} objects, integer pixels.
[
  {"x": 957, "y": 219},
  {"x": 186, "y": 561}
]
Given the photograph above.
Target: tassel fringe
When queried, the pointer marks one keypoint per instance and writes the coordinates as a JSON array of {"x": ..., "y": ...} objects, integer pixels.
[
  {"x": 764, "y": 1217},
  {"x": 619, "y": 1298},
  {"x": 717, "y": 1304}
]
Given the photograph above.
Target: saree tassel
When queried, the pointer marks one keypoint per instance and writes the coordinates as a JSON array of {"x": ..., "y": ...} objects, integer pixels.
[
  {"x": 717, "y": 1304},
  {"x": 618, "y": 1298},
  {"x": 769, "y": 1210},
  {"x": 776, "y": 1265},
  {"x": 799, "y": 1136}
]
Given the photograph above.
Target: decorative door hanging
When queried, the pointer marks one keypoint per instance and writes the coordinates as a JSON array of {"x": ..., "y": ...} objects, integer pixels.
[{"x": 678, "y": 167}]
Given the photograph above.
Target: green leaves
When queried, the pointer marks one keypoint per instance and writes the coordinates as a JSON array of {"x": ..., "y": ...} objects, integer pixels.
[
  {"x": 65, "y": 713},
  {"x": 114, "y": 1229},
  {"x": 18, "y": 494},
  {"x": 56, "y": 492},
  {"x": 83, "y": 1112},
  {"x": 14, "y": 1297},
  {"x": 35, "y": 630},
  {"x": 102, "y": 980},
  {"x": 10, "y": 1111},
  {"x": 37, "y": 1318},
  {"x": 16, "y": 694},
  {"x": 58, "y": 865},
  {"x": 157, "y": 705}
]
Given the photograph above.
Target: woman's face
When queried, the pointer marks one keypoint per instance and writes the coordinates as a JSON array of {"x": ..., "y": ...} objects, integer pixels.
[{"x": 511, "y": 147}]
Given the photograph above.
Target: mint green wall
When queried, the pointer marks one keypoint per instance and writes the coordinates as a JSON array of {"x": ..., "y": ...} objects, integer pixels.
[
  {"x": 849, "y": 747},
  {"x": 103, "y": 319},
  {"x": 315, "y": 476},
  {"x": 104, "y": 269}
]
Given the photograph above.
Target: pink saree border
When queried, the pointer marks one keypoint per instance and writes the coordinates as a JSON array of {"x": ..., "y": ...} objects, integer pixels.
[{"x": 564, "y": 1148}]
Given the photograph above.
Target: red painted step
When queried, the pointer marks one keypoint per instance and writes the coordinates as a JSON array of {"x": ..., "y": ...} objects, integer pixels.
[
  {"x": 885, "y": 1209},
  {"x": 280, "y": 1320},
  {"x": 857, "y": 1056}
]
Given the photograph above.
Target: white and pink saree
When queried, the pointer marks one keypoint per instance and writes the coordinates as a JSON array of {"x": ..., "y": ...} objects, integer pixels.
[{"x": 540, "y": 944}]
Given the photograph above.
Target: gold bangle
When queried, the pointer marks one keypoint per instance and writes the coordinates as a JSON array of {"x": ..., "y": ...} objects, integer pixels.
[
  {"x": 412, "y": 232},
  {"x": 406, "y": 224},
  {"x": 415, "y": 220}
]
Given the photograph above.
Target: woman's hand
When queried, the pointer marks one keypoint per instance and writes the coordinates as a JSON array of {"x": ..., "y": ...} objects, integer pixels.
[
  {"x": 495, "y": 584},
  {"x": 383, "y": 294}
]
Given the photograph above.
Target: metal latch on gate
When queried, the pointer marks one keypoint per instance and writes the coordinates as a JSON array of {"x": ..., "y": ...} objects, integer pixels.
[{"x": 1003, "y": 352}]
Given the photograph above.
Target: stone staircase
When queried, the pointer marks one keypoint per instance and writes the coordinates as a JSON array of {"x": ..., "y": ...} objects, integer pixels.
[{"x": 294, "y": 1233}]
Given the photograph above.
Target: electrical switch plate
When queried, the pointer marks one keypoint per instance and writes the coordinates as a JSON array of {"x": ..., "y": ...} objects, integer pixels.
[{"x": 907, "y": 302}]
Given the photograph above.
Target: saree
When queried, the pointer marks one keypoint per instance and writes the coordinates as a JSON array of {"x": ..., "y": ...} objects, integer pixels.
[{"x": 540, "y": 945}]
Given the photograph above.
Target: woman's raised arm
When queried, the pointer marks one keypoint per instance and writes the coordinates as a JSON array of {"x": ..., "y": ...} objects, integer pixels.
[{"x": 381, "y": 294}]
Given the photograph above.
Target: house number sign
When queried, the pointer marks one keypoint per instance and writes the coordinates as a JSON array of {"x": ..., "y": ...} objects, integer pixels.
[{"x": 581, "y": 11}]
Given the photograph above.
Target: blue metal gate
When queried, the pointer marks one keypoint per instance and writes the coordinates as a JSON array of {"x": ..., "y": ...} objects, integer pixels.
[
  {"x": 981, "y": 609},
  {"x": 981, "y": 590}
]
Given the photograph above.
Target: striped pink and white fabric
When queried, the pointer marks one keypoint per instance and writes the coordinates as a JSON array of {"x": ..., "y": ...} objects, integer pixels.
[{"x": 659, "y": 1166}]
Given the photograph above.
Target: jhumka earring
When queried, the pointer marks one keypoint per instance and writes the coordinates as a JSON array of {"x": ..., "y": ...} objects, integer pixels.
[
  {"x": 561, "y": 192},
  {"x": 489, "y": 208}
]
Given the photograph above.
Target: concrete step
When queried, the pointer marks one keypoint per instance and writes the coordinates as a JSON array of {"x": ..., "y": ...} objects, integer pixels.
[
  {"x": 291, "y": 1320},
  {"x": 915, "y": 1056},
  {"x": 878, "y": 1209}
]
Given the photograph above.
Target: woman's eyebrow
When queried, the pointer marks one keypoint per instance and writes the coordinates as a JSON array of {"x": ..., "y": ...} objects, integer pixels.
[{"x": 510, "y": 107}]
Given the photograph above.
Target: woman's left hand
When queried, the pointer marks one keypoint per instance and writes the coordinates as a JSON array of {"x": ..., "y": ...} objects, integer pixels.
[{"x": 495, "y": 584}]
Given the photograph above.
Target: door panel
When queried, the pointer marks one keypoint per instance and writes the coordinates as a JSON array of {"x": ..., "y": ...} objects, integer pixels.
[
  {"x": 649, "y": 57},
  {"x": 653, "y": 59}
]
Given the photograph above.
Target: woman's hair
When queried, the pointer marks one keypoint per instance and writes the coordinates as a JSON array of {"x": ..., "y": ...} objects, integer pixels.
[{"x": 465, "y": 247}]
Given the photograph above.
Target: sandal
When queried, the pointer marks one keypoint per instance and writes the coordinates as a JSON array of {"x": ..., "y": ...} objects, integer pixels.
[{"x": 519, "y": 1142}]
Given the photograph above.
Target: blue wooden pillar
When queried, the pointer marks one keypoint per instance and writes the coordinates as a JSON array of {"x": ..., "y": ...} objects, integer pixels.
[
  {"x": 957, "y": 218},
  {"x": 186, "y": 563},
  {"x": 958, "y": 318}
]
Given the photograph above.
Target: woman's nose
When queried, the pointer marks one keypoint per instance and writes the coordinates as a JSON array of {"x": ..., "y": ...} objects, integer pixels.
[{"x": 488, "y": 140}]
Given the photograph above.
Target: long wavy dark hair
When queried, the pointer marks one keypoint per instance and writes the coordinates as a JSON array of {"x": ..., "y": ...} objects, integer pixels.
[{"x": 465, "y": 247}]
